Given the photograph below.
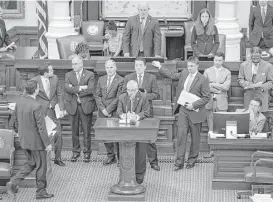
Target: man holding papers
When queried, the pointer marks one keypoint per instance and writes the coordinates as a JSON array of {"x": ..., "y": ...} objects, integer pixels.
[
  {"x": 51, "y": 98},
  {"x": 30, "y": 124},
  {"x": 193, "y": 94},
  {"x": 256, "y": 77}
]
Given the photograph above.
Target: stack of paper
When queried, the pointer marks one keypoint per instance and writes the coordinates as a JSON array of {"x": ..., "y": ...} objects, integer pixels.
[
  {"x": 50, "y": 126},
  {"x": 186, "y": 97}
]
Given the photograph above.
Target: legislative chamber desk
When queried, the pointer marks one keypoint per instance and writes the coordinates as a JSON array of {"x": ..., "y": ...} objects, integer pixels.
[
  {"x": 230, "y": 158},
  {"x": 15, "y": 73}
]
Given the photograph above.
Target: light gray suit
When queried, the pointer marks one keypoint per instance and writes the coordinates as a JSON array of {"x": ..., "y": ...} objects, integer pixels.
[
  {"x": 219, "y": 98},
  {"x": 264, "y": 74}
]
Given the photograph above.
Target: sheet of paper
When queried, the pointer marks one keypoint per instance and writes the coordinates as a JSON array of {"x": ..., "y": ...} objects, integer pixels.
[
  {"x": 50, "y": 126},
  {"x": 261, "y": 198},
  {"x": 11, "y": 106},
  {"x": 187, "y": 97}
]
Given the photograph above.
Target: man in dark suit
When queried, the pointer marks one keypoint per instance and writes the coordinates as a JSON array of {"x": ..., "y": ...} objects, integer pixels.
[
  {"x": 147, "y": 84},
  {"x": 136, "y": 104},
  {"x": 34, "y": 140},
  {"x": 190, "y": 115},
  {"x": 4, "y": 37},
  {"x": 50, "y": 94},
  {"x": 256, "y": 78},
  {"x": 142, "y": 36},
  {"x": 107, "y": 93},
  {"x": 260, "y": 25},
  {"x": 80, "y": 104}
]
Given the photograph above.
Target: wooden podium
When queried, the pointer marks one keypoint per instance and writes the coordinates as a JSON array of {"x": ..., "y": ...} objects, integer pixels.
[{"x": 110, "y": 130}]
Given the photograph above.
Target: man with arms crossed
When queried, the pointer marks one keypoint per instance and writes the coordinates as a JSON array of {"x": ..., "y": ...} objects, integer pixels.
[
  {"x": 147, "y": 84},
  {"x": 50, "y": 94},
  {"x": 256, "y": 77},
  {"x": 80, "y": 104},
  {"x": 137, "y": 104},
  {"x": 219, "y": 82},
  {"x": 109, "y": 88},
  {"x": 142, "y": 36},
  {"x": 30, "y": 124},
  {"x": 191, "y": 115}
]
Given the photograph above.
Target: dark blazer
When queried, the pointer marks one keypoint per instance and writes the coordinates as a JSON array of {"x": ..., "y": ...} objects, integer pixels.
[
  {"x": 199, "y": 87},
  {"x": 204, "y": 44},
  {"x": 5, "y": 37},
  {"x": 264, "y": 75},
  {"x": 151, "y": 37},
  {"x": 141, "y": 105},
  {"x": 108, "y": 100},
  {"x": 55, "y": 93},
  {"x": 86, "y": 96},
  {"x": 257, "y": 27},
  {"x": 30, "y": 124}
]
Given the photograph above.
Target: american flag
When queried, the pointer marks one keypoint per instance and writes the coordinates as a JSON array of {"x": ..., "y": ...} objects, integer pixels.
[{"x": 42, "y": 16}]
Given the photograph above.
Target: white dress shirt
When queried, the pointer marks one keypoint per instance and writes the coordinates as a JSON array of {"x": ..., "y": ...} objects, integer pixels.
[{"x": 187, "y": 80}]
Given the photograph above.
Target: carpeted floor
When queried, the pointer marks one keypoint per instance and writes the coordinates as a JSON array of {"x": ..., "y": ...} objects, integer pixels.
[{"x": 84, "y": 182}]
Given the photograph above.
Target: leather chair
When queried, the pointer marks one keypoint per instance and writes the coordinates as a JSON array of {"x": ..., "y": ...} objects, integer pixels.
[
  {"x": 6, "y": 157},
  {"x": 259, "y": 173},
  {"x": 66, "y": 45},
  {"x": 93, "y": 31}
]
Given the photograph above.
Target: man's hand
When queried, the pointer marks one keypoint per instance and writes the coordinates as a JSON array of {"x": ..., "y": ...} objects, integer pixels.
[
  {"x": 156, "y": 64},
  {"x": 189, "y": 107},
  {"x": 210, "y": 55},
  {"x": 126, "y": 55},
  {"x": 258, "y": 85},
  {"x": 122, "y": 116},
  {"x": 81, "y": 88},
  {"x": 48, "y": 148},
  {"x": 70, "y": 85},
  {"x": 105, "y": 112}
]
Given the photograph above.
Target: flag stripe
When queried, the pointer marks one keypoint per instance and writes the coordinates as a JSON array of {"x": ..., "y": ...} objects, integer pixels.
[{"x": 42, "y": 16}]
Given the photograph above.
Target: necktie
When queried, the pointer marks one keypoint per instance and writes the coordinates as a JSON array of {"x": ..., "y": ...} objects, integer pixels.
[
  {"x": 263, "y": 14},
  {"x": 140, "y": 81},
  {"x": 47, "y": 88},
  {"x": 132, "y": 103},
  {"x": 78, "y": 76},
  {"x": 108, "y": 83},
  {"x": 189, "y": 82},
  {"x": 142, "y": 25},
  {"x": 254, "y": 73}
]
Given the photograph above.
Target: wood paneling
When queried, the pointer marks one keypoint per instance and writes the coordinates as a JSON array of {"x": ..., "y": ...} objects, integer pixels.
[{"x": 24, "y": 35}]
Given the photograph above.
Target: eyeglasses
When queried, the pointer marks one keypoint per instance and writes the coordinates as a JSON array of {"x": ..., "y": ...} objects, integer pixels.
[{"x": 132, "y": 90}]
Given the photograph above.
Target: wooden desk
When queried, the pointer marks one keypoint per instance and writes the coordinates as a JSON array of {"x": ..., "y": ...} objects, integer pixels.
[{"x": 230, "y": 158}]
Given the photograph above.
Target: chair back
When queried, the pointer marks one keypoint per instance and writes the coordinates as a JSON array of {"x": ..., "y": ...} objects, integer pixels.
[
  {"x": 66, "y": 45},
  {"x": 188, "y": 26},
  {"x": 93, "y": 30},
  {"x": 6, "y": 143},
  {"x": 222, "y": 46}
]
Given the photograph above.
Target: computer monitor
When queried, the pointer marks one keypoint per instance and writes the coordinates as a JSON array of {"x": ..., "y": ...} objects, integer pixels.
[{"x": 220, "y": 119}]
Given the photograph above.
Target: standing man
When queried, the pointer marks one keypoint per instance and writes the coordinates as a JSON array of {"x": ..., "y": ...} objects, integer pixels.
[
  {"x": 190, "y": 115},
  {"x": 107, "y": 93},
  {"x": 219, "y": 82},
  {"x": 147, "y": 84},
  {"x": 80, "y": 104},
  {"x": 30, "y": 124},
  {"x": 4, "y": 37},
  {"x": 256, "y": 77},
  {"x": 260, "y": 25},
  {"x": 137, "y": 104},
  {"x": 142, "y": 36},
  {"x": 50, "y": 94}
]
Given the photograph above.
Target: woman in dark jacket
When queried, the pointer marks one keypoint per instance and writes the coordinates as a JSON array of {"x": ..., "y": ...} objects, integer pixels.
[{"x": 204, "y": 37}]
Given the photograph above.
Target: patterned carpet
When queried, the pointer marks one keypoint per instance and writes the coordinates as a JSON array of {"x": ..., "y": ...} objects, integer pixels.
[{"x": 90, "y": 182}]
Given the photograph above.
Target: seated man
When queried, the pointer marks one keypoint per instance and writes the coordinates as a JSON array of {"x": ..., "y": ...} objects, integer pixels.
[
  {"x": 257, "y": 119},
  {"x": 136, "y": 105}
]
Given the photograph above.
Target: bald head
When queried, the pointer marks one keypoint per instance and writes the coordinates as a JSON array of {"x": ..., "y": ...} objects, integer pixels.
[{"x": 143, "y": 9}]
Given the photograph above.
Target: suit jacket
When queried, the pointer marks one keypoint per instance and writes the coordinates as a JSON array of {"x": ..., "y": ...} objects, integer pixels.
[
  {"x": 4, "y": 39},
  {"x": 86, "y": 96},
  {"x": 55, "y": 93},
  {"x": 223, "y": 80},
  {"x": 140, "y": 106},
  {"x": 30, "y": 124},
  {"x": 108, "y": 99},
  {"x": 257, "y": 27},
  {"x": 199, "y": 87},
  {"x": 204, "y": 44},
  {"x": 151, "y": 37},
  {"x": 264, "y": 74}
]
